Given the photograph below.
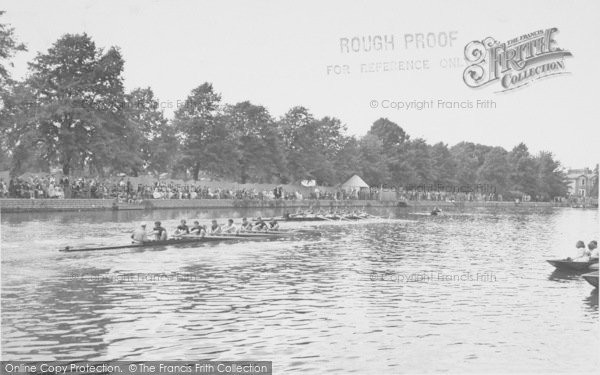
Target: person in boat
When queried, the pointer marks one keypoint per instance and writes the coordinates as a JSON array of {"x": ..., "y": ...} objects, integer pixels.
[
  {"x": 140, "y": 235},
  {"x": 160, "y": 233},
  {"x": 583, "y": 255},
  {"x": 215, "y": 228},
  {"x": 198, "y": 230},
  {"x": 260, "y": 225},
  {"x": 246, "y": 226},
  {"x": 273, "y": 225},
  {"x": 230, "y": 227},
  {"x": 182, "y": 228},
  {"x": 593, "y": 249}
]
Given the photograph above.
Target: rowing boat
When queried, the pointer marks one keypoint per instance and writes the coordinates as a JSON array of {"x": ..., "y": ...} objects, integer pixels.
[
  {"x": 173, "y": 241},
  {"x": 316, "y": 218},
  {"x": 305, "y": 218},
  {"x": 569, "y": 265},
  {"x": 296, "y": 218},
  {"x": 591, "y": 278}
]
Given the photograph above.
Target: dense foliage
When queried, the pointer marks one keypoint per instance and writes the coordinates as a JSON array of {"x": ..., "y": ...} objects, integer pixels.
[{"x": 72, "y": 113}]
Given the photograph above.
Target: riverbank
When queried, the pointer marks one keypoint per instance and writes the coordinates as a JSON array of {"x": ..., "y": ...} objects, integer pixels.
[{"x": 49, "y": 205}]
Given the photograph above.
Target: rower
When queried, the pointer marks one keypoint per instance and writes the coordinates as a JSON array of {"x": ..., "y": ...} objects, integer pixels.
[
  {"x": 273, "y": 225},
  {"x": 182, "y": 228},
  {"x": 215, "y": 228},
  {"x": 198, "y": 229},
  {"x": 230, "y": 227},
  {"x": 260, "y": 224},
  {"x": 246, "y": 226},
  {"x": 160, "y": 233},
  {"x": 140, "y": 235}
]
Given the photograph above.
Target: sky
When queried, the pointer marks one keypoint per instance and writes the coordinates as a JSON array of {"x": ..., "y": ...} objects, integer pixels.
[{"x": 282, "y": 54}]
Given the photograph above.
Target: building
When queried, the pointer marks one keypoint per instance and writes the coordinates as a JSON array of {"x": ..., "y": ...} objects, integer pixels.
[{"x": 581, "y": 182}]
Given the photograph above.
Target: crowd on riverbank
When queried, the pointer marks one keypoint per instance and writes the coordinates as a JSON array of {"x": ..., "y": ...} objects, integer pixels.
[
  {"x": 123, "y": 190},
  {"x": 441, "y": 196}
]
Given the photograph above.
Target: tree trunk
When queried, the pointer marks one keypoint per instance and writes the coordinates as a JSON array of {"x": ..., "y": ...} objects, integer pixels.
[{"x": 196, "y": 171}]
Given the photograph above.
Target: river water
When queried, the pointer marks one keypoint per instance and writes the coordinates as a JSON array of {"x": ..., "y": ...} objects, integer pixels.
[{"x": 468, "y": 291}]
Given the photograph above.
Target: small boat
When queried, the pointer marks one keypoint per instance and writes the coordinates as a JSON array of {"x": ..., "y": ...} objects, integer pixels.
[
  {"x": 591, "y": 278},
  {"x": 569, "y": 265}
]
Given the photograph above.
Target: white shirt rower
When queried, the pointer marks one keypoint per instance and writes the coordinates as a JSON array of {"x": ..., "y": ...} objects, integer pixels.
[
  {"x": 246, "y": 226},
  {"x": 230, "y": 227},
  {"x": 140, "y": 235}
]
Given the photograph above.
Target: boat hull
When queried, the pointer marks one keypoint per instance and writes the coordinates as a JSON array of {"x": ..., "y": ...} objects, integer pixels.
[
  {"x": 173, "y": 241},
  {"x": 308, "y": 218},
  {"x": 569, "y": 265},
  {"x": 591, "y": 278}
]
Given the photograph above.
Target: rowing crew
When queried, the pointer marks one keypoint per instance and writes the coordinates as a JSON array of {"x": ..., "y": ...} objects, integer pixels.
[
  {"x": 159, "y": 233},
  {"x": 333, "y": 214}
]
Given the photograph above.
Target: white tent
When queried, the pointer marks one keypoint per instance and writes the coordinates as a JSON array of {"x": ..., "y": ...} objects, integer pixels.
[{"x": 354, "y": 182}]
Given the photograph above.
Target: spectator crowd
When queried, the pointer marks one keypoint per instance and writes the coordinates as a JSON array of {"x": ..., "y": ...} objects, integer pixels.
[{"x": 123, "y": 190}]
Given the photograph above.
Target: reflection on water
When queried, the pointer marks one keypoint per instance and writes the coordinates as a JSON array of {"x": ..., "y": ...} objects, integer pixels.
[{"x": 383, "y": 296}]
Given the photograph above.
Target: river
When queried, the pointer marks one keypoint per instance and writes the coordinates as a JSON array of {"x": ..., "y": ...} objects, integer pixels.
[{"x": 467, "y": 291}]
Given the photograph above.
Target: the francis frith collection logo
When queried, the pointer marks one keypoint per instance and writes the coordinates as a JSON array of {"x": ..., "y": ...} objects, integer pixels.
[{"x": 516, "y": 62}]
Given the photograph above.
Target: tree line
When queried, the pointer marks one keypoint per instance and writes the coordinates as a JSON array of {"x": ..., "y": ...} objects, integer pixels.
[{"x": 73, "y": 112}]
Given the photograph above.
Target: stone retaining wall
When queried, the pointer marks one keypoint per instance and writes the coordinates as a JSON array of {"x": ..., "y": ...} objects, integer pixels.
[{"x": 41, "y": 205}]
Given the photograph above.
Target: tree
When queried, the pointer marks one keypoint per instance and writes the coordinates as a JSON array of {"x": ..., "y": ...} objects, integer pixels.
[
  {"x": 154, "y": 139},
  {"x": 373, "y": 160},
  {"x": 259, "y": 142},
  {"x": 495, "y": 170},
  {"x": 208, "y": 141},
  {"x": 551, "y": 179},
  {"x": 388, "y": 132},
  {"x": 313, "y": 146},
  {"x": 443, "y": 165},
  {"x": 467, "y": 163},
  {"x": 292, "y": 128},
  {"x": 77, "y": 90},
  {"x": 9, "y": 47},
  {"x": 523, "y": 174},
  {"x": 418, "y": 154},
  {"x": 347, "y": 161}
]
